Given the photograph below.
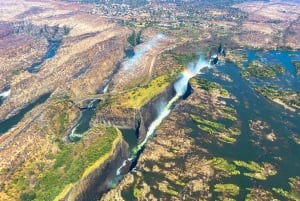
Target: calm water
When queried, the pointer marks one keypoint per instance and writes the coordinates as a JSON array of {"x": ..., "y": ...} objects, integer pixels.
[
  {"x": 53, "y": 46},
  {"x": 14, "y": 120},
  {"x": 289, "y": 79},
  {"x": 252, "y": 106},
  {"x": 130, "y": 137},
  {"x": 84, "y": 122}
]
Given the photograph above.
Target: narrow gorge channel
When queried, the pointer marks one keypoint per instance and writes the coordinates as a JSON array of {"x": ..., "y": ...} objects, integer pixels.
[
  {"x": 14, "y": 119},
  {"x": 181, "y": 88},
  {"x": 52, "y": 48}
]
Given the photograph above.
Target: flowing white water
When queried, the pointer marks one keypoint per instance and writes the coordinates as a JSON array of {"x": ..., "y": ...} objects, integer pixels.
[
  {"x": 73, "y": 134},
  {"x": 105, "y": 89},
  {"x": 5, "y": 94},
  {"x": 180, "y": 87}
]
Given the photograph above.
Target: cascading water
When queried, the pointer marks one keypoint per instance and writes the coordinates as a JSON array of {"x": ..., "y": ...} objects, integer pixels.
[
  {"x": 180, "y": 87},
  {"x": 5, "y": 94},
  {"x": 83, "y": 123}
]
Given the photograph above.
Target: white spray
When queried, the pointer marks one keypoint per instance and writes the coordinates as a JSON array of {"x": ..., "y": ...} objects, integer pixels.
[
  {"x": 5, "y": 94},
  {"x": 180, "y": 87},
  {"x": 143, "y": 49}
]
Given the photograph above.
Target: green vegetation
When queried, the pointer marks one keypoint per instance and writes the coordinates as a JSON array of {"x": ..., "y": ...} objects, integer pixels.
[
  {"x": 167, "y": 190},
  {"x": 210, "y": 126},
  {"x": 211, "y": 86},
  {"x": 269, "y": 91},
  {"x": 237, "y": 57},
  {"x": 294, "y": 194},
  {"x": 184, "y": 59},
  {"x": 259, "y": 194},
  {"x": 256, "y": 69},
  {"x": 17, "y": 72},
  {"x": 180, "y": 183},
  {"x": 207, "y": 85},
  {"x": 257, "y": 171},
  {"x": 287, "y": 97},
  {"x": 28, "y": 196},
  {"x": 217, "y": 129},
  {"x": 107, "y": 102},
  {"x": 137, "y": 193},
  {"x": 72, "y": 160},
  {"x": 222, "y": 165},
  {"x": 134, "y": 38},
  {"x": 140, "y": 96},
  {"x": 227, "y": 189},
  {"x": 297, "y": 66},
  {"x": 60, "y": 121},
  {"x": 278, "y": 69}
]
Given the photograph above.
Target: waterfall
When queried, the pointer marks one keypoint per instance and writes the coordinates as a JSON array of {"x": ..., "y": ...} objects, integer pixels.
[
  {"x": 180, "y": 87},
  {"x": 5, "y": 94}
]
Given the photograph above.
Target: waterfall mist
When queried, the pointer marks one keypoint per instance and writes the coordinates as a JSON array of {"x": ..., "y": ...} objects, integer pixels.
[
  {"x": 192, "y": 70},
  {"x": 164, "y": 109},
  {"x": 5, "y": 94},
  {"x": 141, "y": 51}
]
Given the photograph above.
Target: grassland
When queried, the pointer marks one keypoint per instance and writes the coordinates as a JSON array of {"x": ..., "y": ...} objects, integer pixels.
[
  {"x": 257, "y": 171},
  {"x": 226, "y": 168},
  {"x": 289, "y": 99},
  {"x": 294, "y": 193},
  {"x": 227, "y": 189},
  {"x": 257, "y": 69},
  {"x": 138, "y": 97},
  {"x": 210, "y": 86},
  {"x": 72, "y": 162},
  {"x": 219, "y": 130}
]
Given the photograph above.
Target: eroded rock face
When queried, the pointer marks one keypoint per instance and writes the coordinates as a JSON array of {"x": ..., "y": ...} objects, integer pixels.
[
  {"x": 89, "y": 50},
  {"x": 95, "y": 184},
  {"x": 173, "y": 165},
  {"x": 151, "y": 110}
]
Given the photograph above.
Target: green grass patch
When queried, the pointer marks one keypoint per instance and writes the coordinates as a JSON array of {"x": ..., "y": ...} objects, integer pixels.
[
  {"x": 256, "y": 69},
  {"x": 227, "y": 189},
  {"x": 140, "y": 96},
  {"x": 288, "y": 97},
  {"x": 137, "y": 193},
  {"x": 219, "y": 130},
  {"x": 72, "y": 161},
  {"x": 184, "y": 59},
  {"x": 209, "y": 125},
  {"x": 297, "y": 66},
  {"x": 222, "y": 165},
  {"x": 257, "y": 171},
  {"x": 294, "y": 193}
]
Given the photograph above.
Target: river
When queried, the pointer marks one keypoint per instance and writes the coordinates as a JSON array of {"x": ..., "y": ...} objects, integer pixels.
[
  {"x": 52, "y": 48},
  {"x": 14, "y": 120},
  {"x": 252, "y": 106}
]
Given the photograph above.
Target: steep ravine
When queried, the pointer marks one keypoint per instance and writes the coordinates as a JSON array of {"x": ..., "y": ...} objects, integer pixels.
[
  {"x": 95, "y": 183},
  {"x": 159, "y": 107}
]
